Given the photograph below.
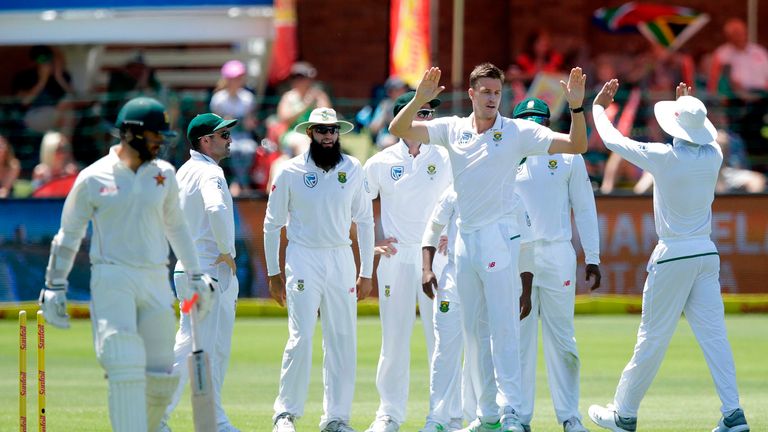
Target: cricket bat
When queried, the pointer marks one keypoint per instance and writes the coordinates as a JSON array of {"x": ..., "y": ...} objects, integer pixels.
[{"x": 203, "y": 409}]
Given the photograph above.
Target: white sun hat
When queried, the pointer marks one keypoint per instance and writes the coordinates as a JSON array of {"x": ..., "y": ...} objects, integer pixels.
[
  {"x": 324, "y": 116},
  {"x": 685, "y": 118}
]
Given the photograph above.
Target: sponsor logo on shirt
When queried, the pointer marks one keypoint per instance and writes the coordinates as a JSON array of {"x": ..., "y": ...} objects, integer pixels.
[
  {"x": 310, "y": 179},
  {"x": 108, "y": 190},
  {"x": 396, "y": 172},
  {"x": 159, "y": 179},
  {"x": 497, "y": 136},
  {"x": 342, "y": 177},
  {"x": 300, "y": 285},
  {"x": 444, "y": 305},
  {"x": 465, "y": 137},
  {"x": 431, "y": 169},
  {"x": 492, "y": 264},
  {"x": 567, "y": 283}
]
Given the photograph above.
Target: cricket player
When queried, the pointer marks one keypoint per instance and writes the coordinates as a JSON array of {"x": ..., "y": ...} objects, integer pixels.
[
  {"x": 684, "y": 268},
  {"x": 132, "y": 200},
  {"x": 550, "y": 187},
  {"x": 318, "y": 195},
  {"x": 484, "y": 150},
  {"x": 207, "y": 205},
  {"x": 409, "y": 177}
]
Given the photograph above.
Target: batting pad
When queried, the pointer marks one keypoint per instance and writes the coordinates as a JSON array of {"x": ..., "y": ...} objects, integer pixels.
[
  {"x": 160, "y": 389},
  {"x": 122, "y": 356}
]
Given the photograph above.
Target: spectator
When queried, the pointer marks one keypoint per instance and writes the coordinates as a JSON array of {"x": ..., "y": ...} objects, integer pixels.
[
  {"x": 296, "y": 103},
  {"x": 232, "y": 100},
  {"x": 539, "y": 56},
  {"x": 382, "y": 116},
  {"x": 9, "y": 168},
  {"x": 732, "y": 178},
  {"x": 56, "y": 160},
  {"x": 134, "y": 79},
  {"x": 42, "y": 91}
]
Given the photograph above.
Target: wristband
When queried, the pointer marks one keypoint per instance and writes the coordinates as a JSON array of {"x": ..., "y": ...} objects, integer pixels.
[{"x": 577, "y": 110}]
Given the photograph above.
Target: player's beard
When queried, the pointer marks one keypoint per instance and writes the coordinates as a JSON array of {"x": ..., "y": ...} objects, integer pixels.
[{"x": 325, "y": 157}]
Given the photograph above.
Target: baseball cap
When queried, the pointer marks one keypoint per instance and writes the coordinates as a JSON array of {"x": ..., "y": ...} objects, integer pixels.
[
  {"x": 206, "y": 124},
  {"x": 404, "y": 98},
  {"x": 233, "y": 69},
  {"x": 303, "y": 69},
  {"x": 531, "y": 107}
]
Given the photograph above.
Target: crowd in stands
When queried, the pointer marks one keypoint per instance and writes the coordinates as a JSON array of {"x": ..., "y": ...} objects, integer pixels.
[{"x": 45, "y": 118}]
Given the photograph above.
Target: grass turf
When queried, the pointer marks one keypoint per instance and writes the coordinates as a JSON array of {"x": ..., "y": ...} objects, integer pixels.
[{"x": 682, "y": 397}]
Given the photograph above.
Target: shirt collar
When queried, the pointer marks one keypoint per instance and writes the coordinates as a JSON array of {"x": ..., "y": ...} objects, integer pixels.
[
  {"x": 497, "y": 124},
  {"x": 194, "y": 154}
]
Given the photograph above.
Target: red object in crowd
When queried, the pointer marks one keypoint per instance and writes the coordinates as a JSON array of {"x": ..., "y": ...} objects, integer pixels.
[
  {"x": 262, "y": 163},
  {"x": 56, "y": 188}
]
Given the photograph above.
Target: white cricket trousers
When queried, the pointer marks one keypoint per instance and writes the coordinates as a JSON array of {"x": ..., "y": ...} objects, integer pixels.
[
  {"x": 552, "y": 301},
  {"x": 214, "y": 334},
  {"x": 445, "y": 383},
  {"x": 690, "y": 285},
  {"x": 319, "y": 279},
  {"x": 489, "y": 287},
  {"x": 399, "y": 281}
]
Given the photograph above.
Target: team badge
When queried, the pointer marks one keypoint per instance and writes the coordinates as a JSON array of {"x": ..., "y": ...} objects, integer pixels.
[
  {"x": 444, "y": 306},
  {"x": 497, "y": 136},
  {"x": 310, "y": 179},
  {"x": 431, "y": 169},
  {"x": 342, "y": 177},
  {"x": 386, "y": 290},
  {"x": 396, "y": 172},
  {"x": 324, "y": 115},
  {"x": 300, "y": 285},
  {"x": 552, "y": 164},
  {"x": 465, "y": 137},
  {"x": 159, "y": 179}
]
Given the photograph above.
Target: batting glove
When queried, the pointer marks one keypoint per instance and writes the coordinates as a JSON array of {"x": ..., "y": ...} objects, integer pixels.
[
  {"x": 202, "y": 285},
  {"x": 53, "y": 303}
]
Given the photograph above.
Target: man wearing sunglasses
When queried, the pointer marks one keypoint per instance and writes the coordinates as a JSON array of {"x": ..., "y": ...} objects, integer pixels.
[
  {"x": 321, "y": 192},
  {"x": 409, "y": 177},
  {"x": 550, "y": 187},
  {"x": 207, "y": 205},
  {"x": 132, "y": 199}
]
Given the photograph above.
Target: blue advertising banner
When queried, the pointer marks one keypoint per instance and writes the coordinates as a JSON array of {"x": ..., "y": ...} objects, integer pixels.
[{"x": 32, "y": 5}]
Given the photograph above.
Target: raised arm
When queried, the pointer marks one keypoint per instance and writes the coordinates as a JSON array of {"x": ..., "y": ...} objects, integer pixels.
[
  {"x": 576, "y": 141},
  {"x": 402, "y": 125}
]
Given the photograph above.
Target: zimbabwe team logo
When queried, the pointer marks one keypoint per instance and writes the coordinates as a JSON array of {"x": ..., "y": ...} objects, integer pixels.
[
  {"x": 497, "y": 136},
  {"x": 342, "y": 177},
  {"x": 310, "y": 179},
  {"x": 396, "y": 172},
  {"x": 552, "y": 164},
  {"x": 444, "y": 305},
  {"x": 431, "y": 169}
]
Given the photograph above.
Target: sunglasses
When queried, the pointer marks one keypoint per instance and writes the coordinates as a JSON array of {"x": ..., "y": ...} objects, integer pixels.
[
  {"x": 322, "y": 130},
  {"x": 224, "y": 135},
  {"x": 425, "y": 113},
  {"x": 538, "y": 119}
]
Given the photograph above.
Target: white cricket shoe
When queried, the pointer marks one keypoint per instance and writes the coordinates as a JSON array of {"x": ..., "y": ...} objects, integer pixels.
[
  {"x": 510, "y": 422},
  {"x": 479, "y": 426},
  {"x": 383, "y": 424},
  {"x": 284, "y": 423},
  {"x": 736, "y": 422},
  {"x": 573, "y": 424},
  {"x": 433, "y": 426},
  {"x": 608, "y": 418},
  {"x": 337, "y": 426}
]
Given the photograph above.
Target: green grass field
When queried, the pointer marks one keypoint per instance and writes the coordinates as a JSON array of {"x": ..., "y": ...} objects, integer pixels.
[{"x": 681, "y": 399}]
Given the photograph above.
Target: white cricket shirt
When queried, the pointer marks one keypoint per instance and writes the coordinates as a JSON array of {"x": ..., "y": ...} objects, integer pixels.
[
  {"x": 550, "y": 186},
  {"x": 132, "y": 215},
  {"x": 684, "y": 176},
  {"x": 409, "y": 188},
  {"x": 484, "y": 164},
  {"x": 318, "y": 208},
  {"x": 207, "y": 205}
]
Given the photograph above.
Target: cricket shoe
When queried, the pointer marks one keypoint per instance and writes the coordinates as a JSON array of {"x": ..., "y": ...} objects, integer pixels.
[
  {"x": 736, "y": 422},
  {"x": 337, "y": 426},
  {"x": 478, "y": 425},
  {"x": 573, "y": 424},
  {"x": 432, "y": 426},
  {"x": 608, "y": 418},
  {"x": 284, "y": 423},
  {"x": 383, "y": 424},
  {"x": 227, "y": 427},
  {"x": 510, "y": 422}
]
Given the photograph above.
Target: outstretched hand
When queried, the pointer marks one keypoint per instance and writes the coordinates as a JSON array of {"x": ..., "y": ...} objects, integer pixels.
[
  {"x": 574, "y": 88},
  {"x": 607, "y": 93},
  {"x": 682, "y": 89},
  {"x": 429, "y": 87}
]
